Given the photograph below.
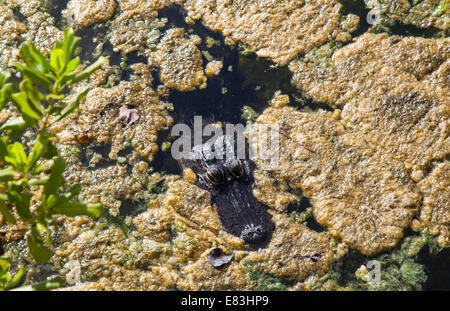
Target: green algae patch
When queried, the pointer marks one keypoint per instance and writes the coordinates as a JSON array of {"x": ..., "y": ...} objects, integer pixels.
[
  {"x": 180, "y": 61},
  {"x": 97, "y": 120},
  {"x": 84, "y": 13},
  {"x": 288, "y": 253},
  {"x": 363, "y": 196},
  {"x": 413, "y": 273},
  {"x": 396, "y": 106},
  {"x": 435, "y": 213},
  {"x": 279, "y": 30},
  {"x": 136, "y": 28},
  {"x": 112, "y": 178},
  {"x": 422, "y": 14},
  {"x": 367, "y": 207},
  {"x": 398, "y": 270},
  {"x": 264, "y": 281},
  {"x": 37, "y": 26}
]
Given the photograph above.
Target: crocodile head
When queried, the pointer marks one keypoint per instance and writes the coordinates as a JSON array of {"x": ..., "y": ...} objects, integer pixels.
[{"x": 228, "y": 176}]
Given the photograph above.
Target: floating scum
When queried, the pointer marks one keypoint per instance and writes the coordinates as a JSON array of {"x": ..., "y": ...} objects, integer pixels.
[
  {"x": 276, "y": 29},
  {"x": 435, "y": 213},
  {"x": 394, "y": 95},
  {"x": 173, "y": 240},
  {"x": 136, "y": 27},
  {"x": 401, "y": 108},
  {"x": 287, "y": 239},
  {"x": 36, "y": 27},
  {"x": 84, "y": 13},
  {"x": 423, "y": 14},
  {"x": 98, "y": 121},
  {"x": 180, "y": 61},
  {"x": 372, "y": 164},
  {"x": 98, "y": 116},
  {"x": 363, "y": 196}
]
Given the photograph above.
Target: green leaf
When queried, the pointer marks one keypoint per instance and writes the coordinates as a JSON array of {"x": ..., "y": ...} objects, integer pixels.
[
  {"x": 33, "y": 74},
  {"x": 441, "y": 8},
  {"x": 74, "y": 191},
  {"x": 6, "y": 88},
  {"x": 16, "y": 279},
  {"x": 3, "y": 144},
  {"x": 33, "y": 94},
  {"x": 52, "y": 200},
  {"x": 39, "y": 58},
  {"x": 42, "y": 228},
  {"x": 84, "y": 74},
  {"x": 14, "y": 127},
  {"x": 16, "y": 156},
  {"x": 25, "y": 106},
  {"x": 7, "y": 174},
  {"x": 50, "y": 151},
  {"x": 36, "y": 64},
  {"x": 72, "y": 65},
  {"x": 5, "y": 77},
  {"x": 33, "y": 58},
  {"x": 21, "y": 201},
  {"x": 56, "y": 179},
  {"x": 5, "y": 262},
  {"x": 51, "y": 76},
  {"x": 38, "y": 250},
  {"x": 39, "y": 148},
  {"x": 57, "y": 61},
  {"x": 69, "y": 44},
  {"x": 44, "y": 165},
  {"x": 55, "y": 97},
  {"x": 73, "y": 209},
  {"x": 6, "y": 213},
  {"x": 38, "y": 181},
  {"x": 4, "y": 279},
  {"x": 73, "y": 105},
  {"x": 48, "y": 285}
]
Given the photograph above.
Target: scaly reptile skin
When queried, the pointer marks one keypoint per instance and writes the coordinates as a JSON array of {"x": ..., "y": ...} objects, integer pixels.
[{"x": 229, "y": 181}]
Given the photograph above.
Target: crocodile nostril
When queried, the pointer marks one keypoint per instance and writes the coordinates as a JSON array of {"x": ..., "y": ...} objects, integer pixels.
[{"x": 253, "y": 234}]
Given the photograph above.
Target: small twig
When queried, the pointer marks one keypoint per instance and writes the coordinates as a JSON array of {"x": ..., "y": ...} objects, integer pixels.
[{"x": 314, "y": 257}]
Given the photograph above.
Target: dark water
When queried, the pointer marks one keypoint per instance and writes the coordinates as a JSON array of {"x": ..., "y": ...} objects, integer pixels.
[{"x": 243, "y": 81}]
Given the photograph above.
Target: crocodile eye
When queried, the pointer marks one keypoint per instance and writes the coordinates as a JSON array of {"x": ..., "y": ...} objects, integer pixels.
[
  {"x": 234, "y": 167},
  {"x": 215, "y": 174}
]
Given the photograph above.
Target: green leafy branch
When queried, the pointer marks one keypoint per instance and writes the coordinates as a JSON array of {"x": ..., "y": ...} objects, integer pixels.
[
  {"x": 32, "y": 183},
  {"x": 7, "y": 281}
]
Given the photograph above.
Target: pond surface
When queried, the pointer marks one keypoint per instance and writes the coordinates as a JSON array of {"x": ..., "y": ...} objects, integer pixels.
[{"x": 144, "y": 193}]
